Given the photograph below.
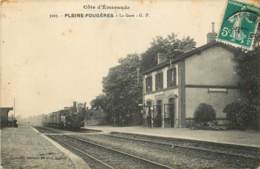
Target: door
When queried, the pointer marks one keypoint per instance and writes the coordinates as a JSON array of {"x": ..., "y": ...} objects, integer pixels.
[
  {"x": 148, "y": 117},
  {"x": 158, "y": 118},
  {"x": 171, "y": 109}
]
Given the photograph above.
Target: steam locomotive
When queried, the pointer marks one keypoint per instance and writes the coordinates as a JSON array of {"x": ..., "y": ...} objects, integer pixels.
[{"x": 68, "y": 118}]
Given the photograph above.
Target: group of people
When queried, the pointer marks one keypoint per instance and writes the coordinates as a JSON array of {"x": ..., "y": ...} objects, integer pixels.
[{"x": 151, "y": 117}]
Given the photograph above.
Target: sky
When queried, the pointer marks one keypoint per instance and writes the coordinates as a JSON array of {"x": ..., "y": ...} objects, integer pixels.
[{"x": 48, "y": 62}]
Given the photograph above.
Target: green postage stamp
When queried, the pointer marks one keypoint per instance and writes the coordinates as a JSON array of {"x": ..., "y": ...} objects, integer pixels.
[{"x": 239, "y": 25}]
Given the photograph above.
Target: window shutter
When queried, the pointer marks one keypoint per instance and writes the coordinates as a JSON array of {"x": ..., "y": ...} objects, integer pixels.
[
  {"x": 169, "y": 76},
  {"x": 148, "y": 82},
  {"x": 157, "y": 81},
  {"x": 174, "y": 77},
  {"x": 161, "y": 80}
]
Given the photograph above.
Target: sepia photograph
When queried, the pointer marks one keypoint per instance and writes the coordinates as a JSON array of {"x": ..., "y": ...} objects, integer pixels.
[{"x": 130, "y": 84}]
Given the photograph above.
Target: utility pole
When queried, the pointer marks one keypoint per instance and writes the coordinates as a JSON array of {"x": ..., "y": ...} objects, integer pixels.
[
  {"x": 138, "y": 75},
  {"x": 14, "y": 109}
]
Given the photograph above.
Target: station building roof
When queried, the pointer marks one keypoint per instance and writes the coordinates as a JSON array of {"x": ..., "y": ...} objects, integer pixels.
[
  {"x": 5, "y": 109},
  {"x": 188, "y": 54}
]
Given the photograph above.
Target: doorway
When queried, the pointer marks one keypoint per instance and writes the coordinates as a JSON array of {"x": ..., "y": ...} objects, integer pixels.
[
  {"x": 148, "y": 117},
  {"x": 158, "y": 117},
  {"x": 171, "y": 110}
]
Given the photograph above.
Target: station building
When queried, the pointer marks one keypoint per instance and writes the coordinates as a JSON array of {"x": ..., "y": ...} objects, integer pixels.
[
  {"x": 4, "y": 116},
  {"x": 173, "y": 89}
]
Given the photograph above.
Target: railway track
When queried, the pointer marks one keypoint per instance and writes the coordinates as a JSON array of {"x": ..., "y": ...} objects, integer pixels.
[
  {"x": 104, "y": 156},
  {"x": 124, "y": 150},
  {"x": 173, "y": 145},
  {"x": 50, "y": 130},
  {"x": 93, "y": 162},
  {"x": 46, "y": 130}
]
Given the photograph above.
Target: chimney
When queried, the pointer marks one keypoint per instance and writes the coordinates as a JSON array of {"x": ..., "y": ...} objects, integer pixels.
[
  {"x": 161, "y": 58},
  {"x": 211, "y": 36}
]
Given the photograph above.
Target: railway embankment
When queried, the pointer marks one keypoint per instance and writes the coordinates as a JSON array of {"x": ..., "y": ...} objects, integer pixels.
[{"x": 23, "y": 147}]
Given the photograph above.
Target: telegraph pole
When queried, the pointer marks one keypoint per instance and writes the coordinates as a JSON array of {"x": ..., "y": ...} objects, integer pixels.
[{"x": 14, "y": 109}]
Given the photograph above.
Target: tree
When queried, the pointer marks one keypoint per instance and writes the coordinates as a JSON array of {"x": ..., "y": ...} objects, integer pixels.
[
  {"x": 169, "y": 46},
  {"x": 122, "y": 86},
  {"x": 204, "y": 113},
  {"x": 99, "y": 102},
  {"x": 123, "y": 91},
  {"x": 237, "y": 115},
  {"x": 249, "y": 71}
]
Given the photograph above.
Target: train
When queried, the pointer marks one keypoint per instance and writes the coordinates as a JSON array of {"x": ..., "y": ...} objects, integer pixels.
[{"x": 71, "y": 118}]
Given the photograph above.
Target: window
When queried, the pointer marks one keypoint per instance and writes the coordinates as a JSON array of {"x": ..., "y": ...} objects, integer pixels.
[
  {"x": 171, "y": 77},
  {"x": 148, "y": 83},
  {"x": 159, "y": 81}
]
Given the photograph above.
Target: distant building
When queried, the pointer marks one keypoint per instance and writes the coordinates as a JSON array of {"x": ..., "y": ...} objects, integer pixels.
[
  {"x": 173, "y": 89},
  {"x": 4, "y": 116}
]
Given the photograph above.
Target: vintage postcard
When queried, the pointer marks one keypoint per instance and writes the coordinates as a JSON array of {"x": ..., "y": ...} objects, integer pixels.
[{"x": 130, "y": 84}]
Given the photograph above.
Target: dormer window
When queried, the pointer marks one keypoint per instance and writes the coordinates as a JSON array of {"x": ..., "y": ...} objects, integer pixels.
[{"x": 161, "y": 58}]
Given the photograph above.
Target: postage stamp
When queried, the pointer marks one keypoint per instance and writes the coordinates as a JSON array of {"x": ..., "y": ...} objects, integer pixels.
[{"x": 239, "y": 24}]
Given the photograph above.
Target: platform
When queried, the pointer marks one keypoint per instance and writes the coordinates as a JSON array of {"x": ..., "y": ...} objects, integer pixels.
[
  {"x": 242, "y": 138},
  {"x": 25, "y": 148}
]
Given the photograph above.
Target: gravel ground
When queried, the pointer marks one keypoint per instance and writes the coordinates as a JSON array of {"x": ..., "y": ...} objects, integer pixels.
[
  {"x": 251, "y": 138},
  {"x": 178, "y": 158},
  {"x": 23, "y": 148},
  {"x": 233, "y": 149},
  {"x": 119, "y": 161},
  {"x": 91, "y": 163}
]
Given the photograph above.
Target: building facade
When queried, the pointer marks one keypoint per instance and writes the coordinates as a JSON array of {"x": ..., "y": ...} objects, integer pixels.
[{"x": 172, "y": 90}]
